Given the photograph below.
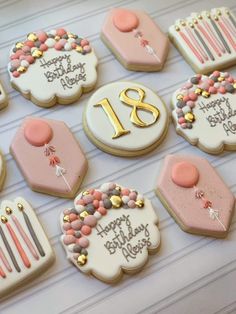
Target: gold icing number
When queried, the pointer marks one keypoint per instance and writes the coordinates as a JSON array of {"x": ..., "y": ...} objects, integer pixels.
[
  {"x": 134, "y": 118},
  {"x": 119, "y": 129}
]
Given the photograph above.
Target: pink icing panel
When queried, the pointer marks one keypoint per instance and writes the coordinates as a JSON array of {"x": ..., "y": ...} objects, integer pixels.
[
  {"x": 37, "y": 132},
  {"x": 183, "y": 203},
  {"x": 125, "y": 20},
  {"x": 35, "y": 166},
  {"x": 185, "y": 174},
  {"x": 129, "y": 47}
]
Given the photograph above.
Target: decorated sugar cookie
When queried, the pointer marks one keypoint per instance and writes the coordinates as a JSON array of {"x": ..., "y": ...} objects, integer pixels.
[
  {"x": 125, "y": 119},
  {"x": 53, "y": 67},
  {"x": 135, "y": 39},
  {"x": 109, "y": 231},
  {"x": 3, "y": 98},
  {"x": 49, "y": 157},
  {"x": 2, "y": 171},
  {"x": 25, "y": 251},
  {"x": 207, "y": 40},
  {"x": 195, "y": 195},
  {"x": 205, "y": 112}
]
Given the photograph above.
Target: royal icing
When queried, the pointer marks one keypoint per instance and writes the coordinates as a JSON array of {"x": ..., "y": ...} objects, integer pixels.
[
  {"x": 62, "y": 64},
  {"x": 205, "y": 111},
  {"x": 49, "y": 157},
  {"x": 25, "y": 251},
  {"x": 125, "y": 20},
  {"x": 195, "y": 195},
  {"x": 3, "y": 97},
  {"x": 109, "y": 230},
  {"x": 38, "y": 132},
  {"x": 207, "y": 40},
  {"x": 125, "y": 118},
  {"x": 185, "y": 174},
  {"x": 126, "y": 32}
]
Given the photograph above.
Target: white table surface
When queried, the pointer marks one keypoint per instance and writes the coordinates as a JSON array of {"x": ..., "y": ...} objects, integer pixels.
[{"x": 190, "y": 274}]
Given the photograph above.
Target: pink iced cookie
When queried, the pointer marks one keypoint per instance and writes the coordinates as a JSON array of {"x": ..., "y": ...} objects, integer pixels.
[
  {"x": 49, "y": 157},
  {"x": 135, "y": 39},
  {"x": 195, "y": 195},
  {"x": 109, "y": 231}
]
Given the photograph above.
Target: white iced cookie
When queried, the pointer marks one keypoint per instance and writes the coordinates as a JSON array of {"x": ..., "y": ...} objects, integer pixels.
[
  {"x": 109, "y": 231},
  {"x": 53, "y": 67},
  {"x": 3, "y": 98},
  {"x": 205, "y": 112},
  {"x": 2, "y": 171},
  {"x": 206, "y": 39},
  {"x": 25, "y": 252},
  {"x": 125, "y": 119}
]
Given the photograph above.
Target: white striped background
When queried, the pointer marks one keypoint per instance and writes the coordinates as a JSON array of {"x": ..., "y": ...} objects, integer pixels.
[{"x": 190, "y": 274}]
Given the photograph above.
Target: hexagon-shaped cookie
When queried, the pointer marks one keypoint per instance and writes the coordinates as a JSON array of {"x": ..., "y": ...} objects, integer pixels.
[
  {"x": 195, "y": 195},
  {"x": 49, "y": 157},
  {"x": 135, "y": 39}
]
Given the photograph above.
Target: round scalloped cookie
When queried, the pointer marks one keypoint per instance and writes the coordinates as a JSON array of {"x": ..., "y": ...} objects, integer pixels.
[
  {"x": 53, "y": 67},
  {"x": 204, "y": 112},
  {"x": 125, "y": 119},
  {"x": 110, "y": 231}
]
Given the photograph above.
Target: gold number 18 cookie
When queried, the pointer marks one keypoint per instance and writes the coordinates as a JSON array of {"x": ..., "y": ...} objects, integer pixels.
[{"x": 125, "y": 119}]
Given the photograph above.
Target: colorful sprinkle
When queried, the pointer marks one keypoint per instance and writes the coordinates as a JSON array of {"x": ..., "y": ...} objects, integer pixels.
[
  {"x": 69, "y": 239},
  {"x": 77, "y": 224},
  {"x": 90, "y": 221},
  {"x": 86, "y": 230},
  {"x": 83, "y": 242},
  {"x": 102, "y": 211}
]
